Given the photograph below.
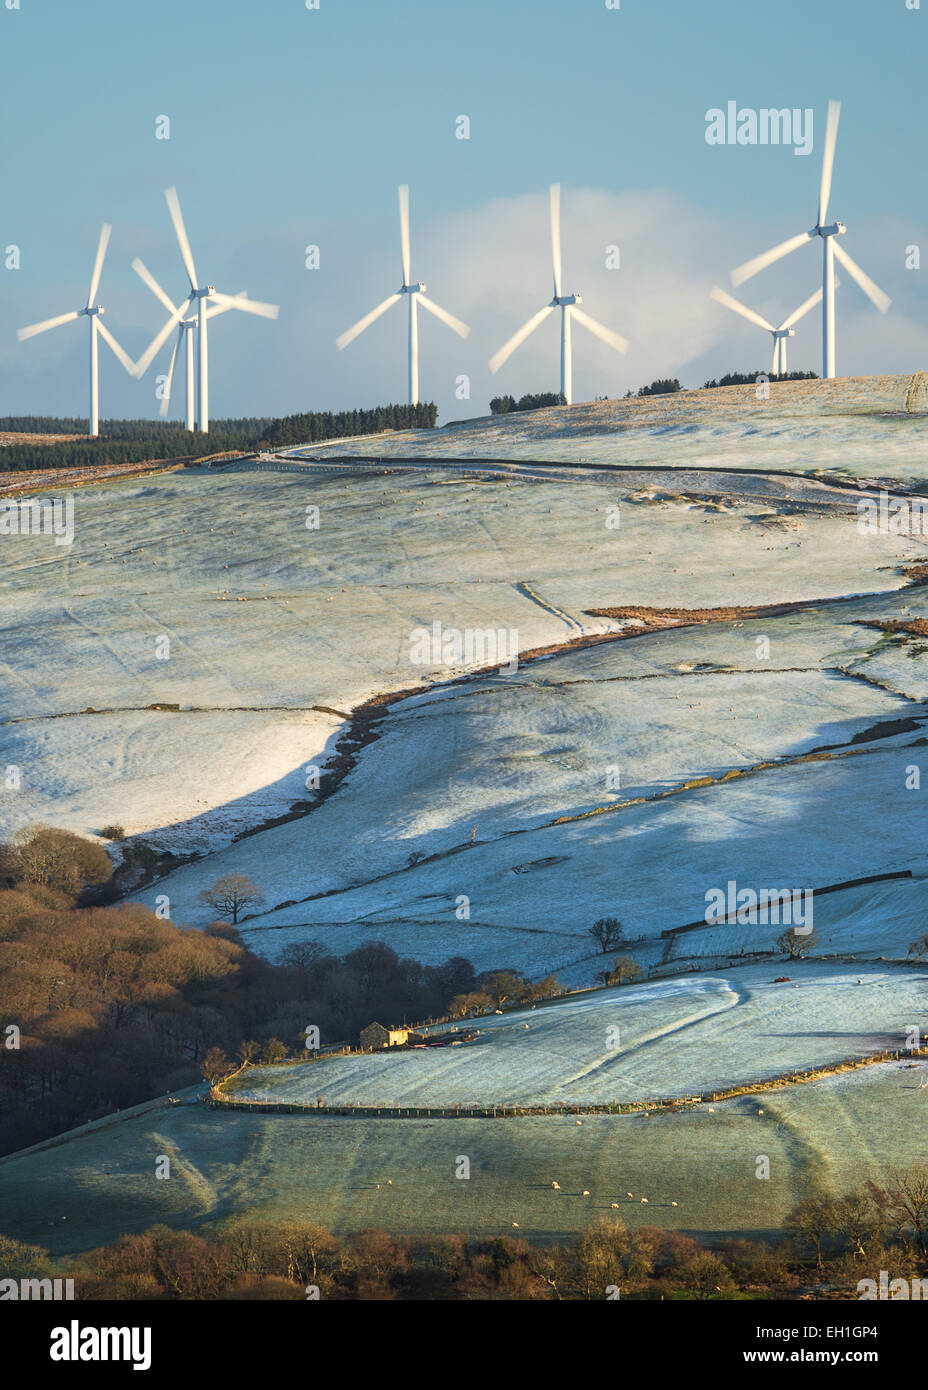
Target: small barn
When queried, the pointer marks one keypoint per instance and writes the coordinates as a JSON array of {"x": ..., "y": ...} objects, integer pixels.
[{"x": 375, "y": 1036}]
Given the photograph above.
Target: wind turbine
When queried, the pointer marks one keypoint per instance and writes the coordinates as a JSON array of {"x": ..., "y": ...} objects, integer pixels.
[
  {"x": 781, "y": 334},
  {"x": 416, "y": 291},
  {"x": 198, "y": 296},
  {"x": 829, "y": 232},
  {"x": 93, "y": 312},
  {"x": 567, "y": 303},
  {"x": 185, "y": 331}
]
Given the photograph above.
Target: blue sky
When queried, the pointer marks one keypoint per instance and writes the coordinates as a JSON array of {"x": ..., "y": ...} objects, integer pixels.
[{"x": 291, "y": 126}]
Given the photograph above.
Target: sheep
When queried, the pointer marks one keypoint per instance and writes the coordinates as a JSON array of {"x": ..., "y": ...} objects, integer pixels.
[
  {"x": 614, "y": 1206},
  {"x": 674, "y": 1204},
  {"x": 579, "y": 1122},
  {"x": 515, "y": 1225},
  {"x": 629, "y": 1194},
  {"x": 585, "y": 1193},
  {"x": 556, "y": 1186},
  {"x": 645, "y": 1200}
]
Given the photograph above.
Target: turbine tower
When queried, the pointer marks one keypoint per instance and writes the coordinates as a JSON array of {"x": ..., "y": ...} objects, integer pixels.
[
  {"x": 200, "y": 297},
  {"x": 416, "y": 292},
  {"x": 781, "y": 334},
  {"x": 93, "y": 312},
  {"x": 186, "y": 328},
  {"x": 831, "y": 248},
  {"x": 567, "y": 303}
]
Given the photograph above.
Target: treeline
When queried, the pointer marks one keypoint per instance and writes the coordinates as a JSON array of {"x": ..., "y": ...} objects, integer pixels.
[
  {"x": 114, "y": 1005},
  {"x": 505, "y": 405},
  {"x": 749, "y": 378},
  {"x": 136, "y": 441},
  {"x": 830, "y": 1245},
  {"x": 664, "y": 386}
]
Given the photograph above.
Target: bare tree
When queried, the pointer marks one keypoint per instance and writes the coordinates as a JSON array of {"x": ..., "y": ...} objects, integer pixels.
[
  {"x": 217, "y": 1065},
  {"x": 607, "y": 933},
  {"x": 795, "y": 944},
  {"x": 812, "y": 1220},
  {"x": 908, "y": 1196},
  {"x": 231, "y": 895}
]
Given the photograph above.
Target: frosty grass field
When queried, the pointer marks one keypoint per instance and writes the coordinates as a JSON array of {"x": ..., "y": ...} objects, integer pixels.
[{"x": 623, "y": 777}]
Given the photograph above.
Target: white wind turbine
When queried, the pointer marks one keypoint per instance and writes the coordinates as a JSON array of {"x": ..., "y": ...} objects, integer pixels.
[
  {"x": 185, "y": 331},
  {"x": 93, "y": 312},
  {"x": 781, "y": 334},
  {"x": 567, "y": 303},
  {"x": 416, "y": 291},
  {"x": 198, "y": 296},
  {"x": 830, "y": 249}
]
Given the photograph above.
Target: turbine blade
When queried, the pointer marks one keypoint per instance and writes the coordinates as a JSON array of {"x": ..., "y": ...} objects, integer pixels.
[
  {"x": 141, "y": 269},
  {"x": 744, "y": 272},
  {"x": 606, "y": 335},
  {"x": 556, "y": 236},
  {"x": 180, "y": 232},
  {"x": 144, "y": 362},
  {"x": 45, "y": 325},
  {"x": 404, "y": 230},
  {"x": 350, "y": 334},
  {"x": 722, "y": 298},
  {"x": 803, "y": 309},
  {"x": 509, "y": 347},
  {"x": 98, "y": 263},
  {"x": 250, "y": 306},
  {"x": 461, "y": 329},
  {"x": 166, "y": 399},
  {"x": 828, "y": 160},
  {"x": 120, "y": 352},
  {"x": 224, "y": 308},
  {"x": 872, "y": 291}
]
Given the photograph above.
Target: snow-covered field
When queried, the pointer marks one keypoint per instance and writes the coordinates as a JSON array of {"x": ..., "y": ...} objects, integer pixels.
[
  {"x": 668, "y": 1038},
  {"x": 181, "y": 668}
]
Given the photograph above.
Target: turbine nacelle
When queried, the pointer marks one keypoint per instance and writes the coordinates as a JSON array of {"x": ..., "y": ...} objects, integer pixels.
[
  {"x": 835, "y": 229},
  {"x": 784, "y": 332},
  {"x": 419, "y": 288},
  {"x": 560, "y": 300},
  {"x": 206, "y": 292},
  {"x": 91, "y": 310}
]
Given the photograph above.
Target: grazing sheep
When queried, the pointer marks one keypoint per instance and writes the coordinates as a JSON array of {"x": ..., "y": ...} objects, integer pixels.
[
  {"x": 629, "y": 1194},
  {"x": 556, "y": 1186},
  {"x": 644, "y": 1199},
  {"x": 585, "y": 1193},
  {"x": 579, "y": 1122},
  {"x": 614, "y": 1206},
  {"x": 674, "y": 1204},
  {"x": 515, "y": 1225}
]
